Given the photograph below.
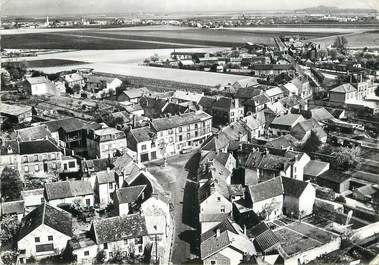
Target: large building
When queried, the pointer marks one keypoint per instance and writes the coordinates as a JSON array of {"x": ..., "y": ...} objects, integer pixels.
[
  {"x": 168, "y": 136},
  {"x": 106, "y": 142}
]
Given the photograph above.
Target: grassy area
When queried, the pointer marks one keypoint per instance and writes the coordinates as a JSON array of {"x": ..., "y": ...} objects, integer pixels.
[
  {"x": 52, "y": 63},
  {"x": 355, "y": 40}
]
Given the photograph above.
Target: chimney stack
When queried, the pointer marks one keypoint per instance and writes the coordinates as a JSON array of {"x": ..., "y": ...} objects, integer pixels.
[{"x": 218, "y": 232}]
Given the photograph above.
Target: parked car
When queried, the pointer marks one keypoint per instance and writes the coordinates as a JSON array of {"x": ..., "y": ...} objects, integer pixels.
[{"x": 186, "y": 150}]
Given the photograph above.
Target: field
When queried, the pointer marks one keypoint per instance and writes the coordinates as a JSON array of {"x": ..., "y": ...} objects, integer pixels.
[
  {"x": 52, "y": 63},
  {"x": 139, "y": 38},
  {"x": 355, "y": 40}
]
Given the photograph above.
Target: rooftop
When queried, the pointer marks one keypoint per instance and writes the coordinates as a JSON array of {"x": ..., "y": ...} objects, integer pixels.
[
  {"x": 287, "y": 120},
  {"x": 33, "y": 133},
  {"x": 13, "y": 207},
  {"x": 71, "y": 125},
  {"x": 175, "y": 121},
  {"x": 129, "y": 194},
  {"x": 143, "y": 134},
  {"x": 37, "y": 80},
  {"x": 38, "y": 147},
  {"x": 315, "y": 168},
  {"x": 265, "y": 190},
  {"x": 67, "y": 189},
  {"x": 14, "y": 109},
  {"x": 344, "y": 88}
]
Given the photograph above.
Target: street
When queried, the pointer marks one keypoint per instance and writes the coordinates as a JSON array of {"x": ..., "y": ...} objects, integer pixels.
[{"x": 177, "y": 178}]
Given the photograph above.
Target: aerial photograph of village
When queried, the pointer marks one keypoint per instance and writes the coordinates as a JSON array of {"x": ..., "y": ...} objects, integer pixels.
[{"x": 189, "y": 132}]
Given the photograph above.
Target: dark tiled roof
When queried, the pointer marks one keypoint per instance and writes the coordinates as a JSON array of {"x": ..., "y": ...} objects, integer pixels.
[
  {"x": 121, "y": 163},
  {"x": 96, "y": 165},
  {"x": 225, "y": 225},
  {"x": 37, "y": 147},
  {"x": 300, "y": 129},
  {"x": 274, "y": 162},
  {"x": 335, "y": 176},
  {"x": 266, "y": 190},
  {"x": 264, "y": 237},
  {"x": 236, "y": 130},
  {"x": 248, "y": 92},
  {"x": 81, "y": 241},
  {"x": 321, "y": 114},
  {"x": 207, "y": 101},
  {"x": 119, "y": 228},
  {"x": 162, "y": 124},
  {"x": 55, "y": 218},
  {"x": 218, "y": 217},
  {"x": 67, "y": 189},
  {"x": 221, "y": 157},
  {"x": 14, "y": 207},
  {"x": 293, "y": 187},
  {"x": 216, "y": 142},
  {"x": 143, "y": 134},
  {"x": 254, "y": 159},
  {"x": 286, "y": 120},
  {"x": 314, "y": 167},
  {"x": 224, "y": 103},
  {"x": 129, "y": 194},
  {"x": 283, "y": 141},
  {"x": 214, "y": 244}
]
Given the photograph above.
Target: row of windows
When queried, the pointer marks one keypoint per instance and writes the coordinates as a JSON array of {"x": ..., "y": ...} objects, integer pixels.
[
  {"x": 188, "y": 128},
  {"x": 38, "y": 168},
  {"x": 36, "y": 158},
  {"x": 237, "y": 112},
  {"x": 38, "y": 239}
]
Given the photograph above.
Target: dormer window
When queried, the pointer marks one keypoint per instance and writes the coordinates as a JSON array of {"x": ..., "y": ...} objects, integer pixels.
[{"x": 9, "y": 150}]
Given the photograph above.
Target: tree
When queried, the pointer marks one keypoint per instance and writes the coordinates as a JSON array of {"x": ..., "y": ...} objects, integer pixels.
[
  {"x": 377, "y": 91},
  {"x": 347, "y": 158},
  {"x": 100, "y": 257},
  {"x": 340, "y": 43},
  {"x": 340, "y": 199},
  {"x": 312, "y": 144},
  {"x": 11, "y": 184},
  {"x": 9, "y": 228},
  {"x": 8, "y": 257},
  {"x": 76, "y": 88}
]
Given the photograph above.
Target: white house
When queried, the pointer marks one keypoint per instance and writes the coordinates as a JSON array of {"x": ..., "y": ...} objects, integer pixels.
[
  {"x": 40, "y": 86},
  {"x": 69, "y": 192},
  {"x": 214, "y": 198},
  {"x": 44, "y": 232},
  {"x": 105, "y": 185}
]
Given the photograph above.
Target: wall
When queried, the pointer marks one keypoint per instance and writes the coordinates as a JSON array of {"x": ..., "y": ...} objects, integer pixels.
[
  {"x": 365, "y": 232},
  {"x": 73, "y": 199},
  {"x": 39, "y": 89},
  {"x": 307, "y": 200},
  {"x": 213, "y": 206},
  {"x": 218, "y": 258},
  {"x": 276, "y": 204},
  {"x": 28, "y": 242},
  {"x": 80, "y": 257}
]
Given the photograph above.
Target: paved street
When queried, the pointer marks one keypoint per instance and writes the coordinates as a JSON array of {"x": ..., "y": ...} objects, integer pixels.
[{"x": 177, "y": 177}]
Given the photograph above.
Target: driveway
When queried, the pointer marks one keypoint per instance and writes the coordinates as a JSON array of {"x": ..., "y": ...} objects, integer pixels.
[{"x": 178, "y": 178}]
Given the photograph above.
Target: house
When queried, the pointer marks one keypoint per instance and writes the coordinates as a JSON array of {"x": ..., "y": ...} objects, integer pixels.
[
  {"x": 314, "y": 168},
  {"x": 255, "y": 124},
  {"x": 304, "y": 88},
  {"x": 142, "y": 141},
  {"x": 227, "y": 110},
  {"x": 283, "y": 124},
  {"x": 367, "y": 194},
  {"x": 214, "y": 196},
  {"x": 106, "y": 142},
  {"x": 179, "y": 131},
  {"x": 69, "y": 165},
  {"x": 343, "y": 93},
  {"x": 102, "y": 86},
  {"x": 73, "y": 79},
  {"x": 226, "y": 159},
  {"x": 216, "y": 165},
  {"x": 303, "y": 130},
  {"x": 267, "y": 198},
  {"x": 299, "y": 197},
  {"x": 256, "y": 103},
  {"x": 40, "y": 85},
  {"x": 271, "y": 69},
  {"x": 293, "y": 102},
  {"x": 10, "y": 154},
  {"x": 274, "y": 94},
  {"x": 39, "y": 157},
  {"x": 33, "y": 198},
  {"x": 69, "y": 192},
  {"x": 321, "y": 115},
  {"x": 246, "y": 82},
  {"x": 185, "y": 96},
  {"x": 237, "y": 131},
  {"x": 13, "y": 208},
  {"x": 283, "y": 142},
  {"x": 16, "y": 113},
  {"x": 336, "y": 180},
  {"x": 129, "y": 199},
  {"x": 225, "y": 244},
  {"x": 133, "y": 94},
  {"x": 208, "y": 221},
  {"x": 206, "y": 103},
  {"x": 105, "y": 186},
  {"x": 218, "y": 142},
  {"x": 44, "y": 232}
]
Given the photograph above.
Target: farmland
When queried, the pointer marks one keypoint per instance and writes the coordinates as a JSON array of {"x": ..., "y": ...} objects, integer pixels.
[
  {"x": 355, "y": 40},
  {"x": 111, "y": 39}
]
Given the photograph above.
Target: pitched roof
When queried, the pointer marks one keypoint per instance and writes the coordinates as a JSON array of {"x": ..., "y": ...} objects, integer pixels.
[
  {"x": 315, "y": 167},
  {"x": 129, "y": 194},
  {"x": 38, "y": 147},
  {"x": 335, "y": 176},
  {"x": 291, "y": 101},
  {"x": 12, "y": 109},
  {"x": 266, "y": 190},
  {"x": 136, "y": 92},
  {"x": 287, "y": 120},
  {"x": 248, "y": 92},
  {"x": 67, "y": 189},
  {"x": 207, "y": 101},
  {"x": 187, "y": 96},
  {"x": 33, "y": 133},
  {"x": 301, "y": 128},
  {"x": 255, "y": 120},
  {"x": 263, "y": 236},
  {"x": 175, "y": 121},
  {"x": 344, "y": 88},
  {"x": 260, "y": 99},
  {"x": 37, "y": 80},
  {"x": 105, "y": 176},
  {"x": 283, "y": 141},
  {"x": 119, "y": 228},
  {"x": 272, "y": 92},
  {"x": 293, "y": 187},
  {"x": 13, "y": 207},
  {"x": 216, "y": 142},
  {"x": 142, "y": 134},
  {"x": 254, "y": 159},
  {"x": 235, "y": 130},
  {"x": 225, "y": 225},
  {"x": 71, "y": 125},
  {"x": 221, "y": 157},
  {"x": 214, "y": 244},
  {"x": 97, "y": 164},
  {"x": 217, "y": 217},
  {"x": 224, "y": 103},
  {"x": 321, "y": 114},
  {"x": 55, "y": 218},
  {"x": 274, "y": 162}
]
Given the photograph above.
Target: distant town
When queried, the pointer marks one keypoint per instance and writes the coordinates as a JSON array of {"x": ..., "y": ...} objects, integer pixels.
[{"x": 247, "y": 152}]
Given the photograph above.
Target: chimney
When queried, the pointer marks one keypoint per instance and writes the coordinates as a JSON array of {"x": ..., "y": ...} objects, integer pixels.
[
  {"x": 218, "y": 232},
  {"x": 236, "y": 102},
  {"x": 267, "y": 151},
  {"x": 244, "y": 229},
  {"x": 108, "y": 170}
]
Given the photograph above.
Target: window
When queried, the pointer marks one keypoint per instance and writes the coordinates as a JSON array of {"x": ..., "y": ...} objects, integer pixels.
[
  {"x": 86, "y": 253},
  {"x": 188, "y": 127},
  {"x": 180, "y": 138},
  {"x": 35, "y": 157},
  {"x": 125, "y": 241},
  {"x": 71, "y": 164},
  {"x": 140, "y": 248},
  {"x": 50, "y": 238},
  {"x": 171, "y": 139},
  {"x": 152, "y": 144},
  {"x": 218, "y": 199},
  {"x": 36, "y": 167},
  {"x": 53, "y": 156},
  {"x": 180, "y": 129},
  {"x": 222, "y": 208},
  {"x": 232, "y": 120},
  {"x": 37, "y": 240},
  {"x": 26, "y": 169},
  {"x": 105, "y": 245},
  {"x": 143, "y": 147},
  {"x": 24, "y": 159},
  {"x": 22, "y": 251},
  {"x": 188, "y": 136},
  {"x": 138, "y": 240},
  {"x": 54, "y": 165},
  {"x": 213, "y": 262},
  {"x": 111, "y": 185},
  {"x": 196, "y": 125},
  {"x": 170, "y": 131},
  {"x": 88, "y": 202},
  {"x": 42, "y": 200},
  {"x": 196, "y": 133},
  {"x": 232, "y": 114},
  {"x": 111, "y": 254}
]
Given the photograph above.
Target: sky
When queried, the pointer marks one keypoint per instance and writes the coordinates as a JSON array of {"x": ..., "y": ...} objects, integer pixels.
[{"x": 56, "y": 7}]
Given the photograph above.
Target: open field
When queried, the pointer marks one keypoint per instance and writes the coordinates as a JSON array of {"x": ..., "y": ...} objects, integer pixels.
[
  {"x": 52, "y": 63},
  {"x": 355, "y": 40},
  {"x": 305, "y": 30},
  {"x": 149, "y": 38}
]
